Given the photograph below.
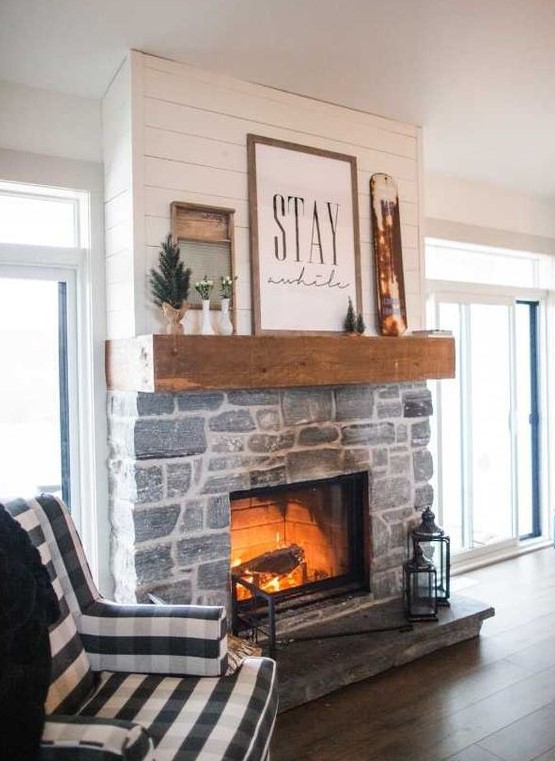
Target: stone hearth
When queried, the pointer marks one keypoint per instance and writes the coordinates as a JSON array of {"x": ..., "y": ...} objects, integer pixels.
[
  {"x": 331, "y": 651},
  {"x": 175, "y": 458}
]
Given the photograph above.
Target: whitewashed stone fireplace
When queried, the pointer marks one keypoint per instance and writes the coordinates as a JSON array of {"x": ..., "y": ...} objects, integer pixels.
[{"x": 176, "y": 457}]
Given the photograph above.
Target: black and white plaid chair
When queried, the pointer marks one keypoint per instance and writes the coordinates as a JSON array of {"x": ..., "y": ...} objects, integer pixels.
[{"x": 140, "y": 681}]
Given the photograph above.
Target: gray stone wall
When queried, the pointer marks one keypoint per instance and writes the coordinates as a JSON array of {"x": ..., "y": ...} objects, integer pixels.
[{"x": 174, "y": 459}]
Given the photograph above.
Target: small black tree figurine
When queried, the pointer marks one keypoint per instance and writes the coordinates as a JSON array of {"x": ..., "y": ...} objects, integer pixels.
[
  {"x": 170, "y": 285},
  {"x": 349, "y": 323},
  {"x": 360, "y": 327}
]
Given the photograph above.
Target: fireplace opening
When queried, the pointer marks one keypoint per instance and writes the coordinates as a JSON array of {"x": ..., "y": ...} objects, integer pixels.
[{"x": 293, "y": 540}]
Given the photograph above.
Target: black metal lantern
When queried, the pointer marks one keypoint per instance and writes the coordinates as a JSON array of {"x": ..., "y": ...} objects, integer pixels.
[
  {"x": 435, "y": 545},
  {"x": 419, "y": 588}
]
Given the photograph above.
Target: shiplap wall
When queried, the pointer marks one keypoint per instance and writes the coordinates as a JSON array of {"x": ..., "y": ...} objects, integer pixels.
[
  {"x": 118, "y": 205},
  {"x": 189, "y": 140}
]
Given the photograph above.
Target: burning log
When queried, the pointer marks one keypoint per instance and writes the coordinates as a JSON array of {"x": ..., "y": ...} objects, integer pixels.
[{"x": 273, "y": 563}]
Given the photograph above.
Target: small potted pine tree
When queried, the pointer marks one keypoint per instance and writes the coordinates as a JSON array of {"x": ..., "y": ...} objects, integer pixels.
[
  {"x": 169, "y": 286},
  {"x": 350, "y": 321}
]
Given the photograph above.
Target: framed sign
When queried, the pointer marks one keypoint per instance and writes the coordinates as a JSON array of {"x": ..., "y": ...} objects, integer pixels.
[{"x": 305, "y": 243}]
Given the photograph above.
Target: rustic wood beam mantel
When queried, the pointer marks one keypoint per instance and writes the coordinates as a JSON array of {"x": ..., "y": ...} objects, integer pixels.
[{"x": 191, "y": 363}]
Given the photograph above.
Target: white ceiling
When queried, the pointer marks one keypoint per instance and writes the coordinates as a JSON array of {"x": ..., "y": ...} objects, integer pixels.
[{"x": 479, "y": 75}]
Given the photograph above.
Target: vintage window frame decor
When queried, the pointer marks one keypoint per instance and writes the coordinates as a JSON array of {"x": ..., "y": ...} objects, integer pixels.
[
  {"x": 200, "y": 223},
  {"x": 304, "y": 237}
]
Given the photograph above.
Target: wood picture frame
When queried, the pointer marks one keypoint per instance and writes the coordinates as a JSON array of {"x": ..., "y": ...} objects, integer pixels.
[
  {"x": 209, "y": 232},
  {"x": 304, "y": 237}
]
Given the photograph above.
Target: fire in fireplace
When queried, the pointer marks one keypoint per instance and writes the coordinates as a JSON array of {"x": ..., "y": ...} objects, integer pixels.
[{"x": 299, "y": 538}]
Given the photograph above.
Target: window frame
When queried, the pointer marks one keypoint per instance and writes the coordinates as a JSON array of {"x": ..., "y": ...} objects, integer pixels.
[
  {"x": 469, "y": 292},
  {"x": 68, "y": 275},
  {"x": 86, "y": 332}
]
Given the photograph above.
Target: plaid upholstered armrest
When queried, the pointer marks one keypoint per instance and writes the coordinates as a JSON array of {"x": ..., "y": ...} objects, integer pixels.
[
  {"x": 155, "y": 639},
  {"x": 67, "y": 738}
]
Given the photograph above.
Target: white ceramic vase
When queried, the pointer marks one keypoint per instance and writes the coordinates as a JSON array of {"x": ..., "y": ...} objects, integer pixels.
[
  {"x": 226, "y": 326},
  {"x": 206, "y": 327}
]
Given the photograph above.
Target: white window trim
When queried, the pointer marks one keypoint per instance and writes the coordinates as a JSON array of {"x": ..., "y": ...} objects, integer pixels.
[
  {"x": 40, "y": 175},
  {"x": 469, "y": 291}
]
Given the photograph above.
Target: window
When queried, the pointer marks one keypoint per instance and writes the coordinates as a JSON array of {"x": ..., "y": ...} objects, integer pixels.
[
  {"x": 455, "y": 262},
  {"x": 34, "y": 414},
  {"x": 39, "y": 220},
  {"x": 488, "y": 421},
  {"x": 43, "y": 337}
]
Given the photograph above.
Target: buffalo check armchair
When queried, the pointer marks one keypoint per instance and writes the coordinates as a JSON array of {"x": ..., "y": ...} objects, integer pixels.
[{"x": 140, "y": 681}]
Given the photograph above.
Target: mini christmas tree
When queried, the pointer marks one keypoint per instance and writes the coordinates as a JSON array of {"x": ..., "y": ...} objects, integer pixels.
[
  {"x": 360, "y": 327},
  {"x": 170, "y": 284},
  {"x": 349, "y": 323}
]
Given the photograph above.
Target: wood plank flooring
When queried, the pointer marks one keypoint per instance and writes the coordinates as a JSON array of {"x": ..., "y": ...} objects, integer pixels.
[{"x": 487, "y": 699}]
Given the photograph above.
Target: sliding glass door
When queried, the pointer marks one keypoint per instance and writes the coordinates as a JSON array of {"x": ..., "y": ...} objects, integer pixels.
[
  {"x": 488, "y": 422},
  {"x": 36, "y": 415}
]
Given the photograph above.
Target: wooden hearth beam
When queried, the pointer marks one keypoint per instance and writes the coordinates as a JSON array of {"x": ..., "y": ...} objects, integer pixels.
[{"x": 181, "y": 363}]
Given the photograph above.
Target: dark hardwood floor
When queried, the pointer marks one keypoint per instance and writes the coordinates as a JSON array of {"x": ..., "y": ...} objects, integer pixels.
[{"x": 486, "y": 699}]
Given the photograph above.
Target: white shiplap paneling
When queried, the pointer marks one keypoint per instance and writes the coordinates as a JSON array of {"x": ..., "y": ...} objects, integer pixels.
[
  {"x": 118, "y": 205},
  {"x": 180, "y": 123},
  {"x": 193, "y": 142},
  {"x": 301, "y": 115}
]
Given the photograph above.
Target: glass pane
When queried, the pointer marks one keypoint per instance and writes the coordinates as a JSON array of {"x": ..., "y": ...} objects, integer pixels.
[
  {"x": 468, "y": 265},
  {"x": 489, "y": 413},
  {"x": 210, "y": 259},
  {"x": 38, "y": 221},
  {"x": 523, "y": 411},
  {"x": 30, "y": 439},
  {"x": 451, "y": 437}
]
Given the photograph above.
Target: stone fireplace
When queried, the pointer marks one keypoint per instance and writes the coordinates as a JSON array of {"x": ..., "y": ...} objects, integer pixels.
[
  {"x": 204, "y": 428},
  {"x": 175, "y": 459}
]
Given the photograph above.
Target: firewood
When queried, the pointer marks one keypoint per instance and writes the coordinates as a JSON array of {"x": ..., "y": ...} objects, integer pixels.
[{"x": 273, "y": 563}]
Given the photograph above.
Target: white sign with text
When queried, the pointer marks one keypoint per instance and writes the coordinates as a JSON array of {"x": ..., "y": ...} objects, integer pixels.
[{"x": 306, "y": 237}]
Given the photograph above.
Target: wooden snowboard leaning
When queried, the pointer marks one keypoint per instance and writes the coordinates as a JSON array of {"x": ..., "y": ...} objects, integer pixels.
[{"x": 388, "y": 255}]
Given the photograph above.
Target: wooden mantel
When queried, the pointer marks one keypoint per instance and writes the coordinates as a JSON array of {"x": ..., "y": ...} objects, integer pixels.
[{"x": 181, "y": 363}]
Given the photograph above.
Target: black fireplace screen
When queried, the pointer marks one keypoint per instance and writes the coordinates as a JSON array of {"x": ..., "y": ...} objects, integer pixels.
[{"x": 300, "y": 537}]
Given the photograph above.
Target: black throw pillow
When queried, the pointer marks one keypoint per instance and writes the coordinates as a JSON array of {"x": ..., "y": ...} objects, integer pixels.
[{"x": 28, "y": 605}]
